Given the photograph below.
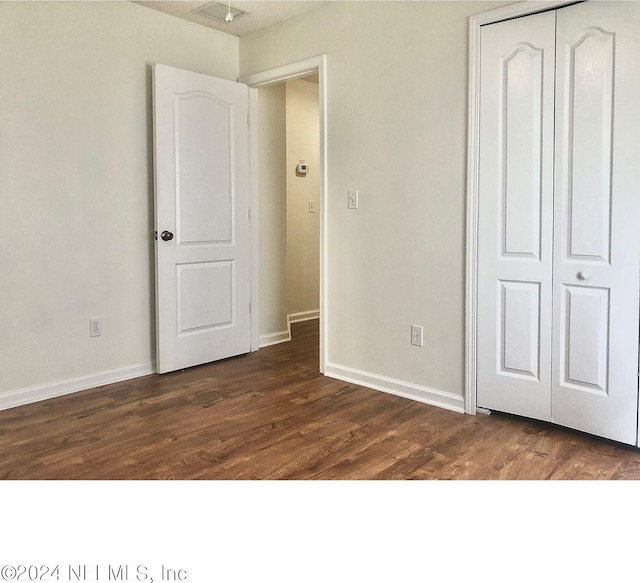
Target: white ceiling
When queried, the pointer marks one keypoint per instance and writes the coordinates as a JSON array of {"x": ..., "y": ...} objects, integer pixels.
[{"x": 260, "y": 13}]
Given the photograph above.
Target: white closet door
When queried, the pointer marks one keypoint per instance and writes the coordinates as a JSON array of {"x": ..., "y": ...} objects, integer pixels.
[
  {"x": 597, "y": 212},
  {"x": 515, "y": 216}
]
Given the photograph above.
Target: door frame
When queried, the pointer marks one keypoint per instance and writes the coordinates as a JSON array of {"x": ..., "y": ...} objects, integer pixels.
[
  {"x": 473, "y": 163},
  {"x": 315, "y": 65}
]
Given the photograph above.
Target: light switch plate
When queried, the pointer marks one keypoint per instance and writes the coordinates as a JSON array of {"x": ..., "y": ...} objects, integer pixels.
[{"x": 352, "y": 199}]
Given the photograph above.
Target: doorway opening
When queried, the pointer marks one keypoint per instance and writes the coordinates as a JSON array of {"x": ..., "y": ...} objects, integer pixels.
[
  {"x": 290, "y": 173},
  {"x": 289, "y": 207}
]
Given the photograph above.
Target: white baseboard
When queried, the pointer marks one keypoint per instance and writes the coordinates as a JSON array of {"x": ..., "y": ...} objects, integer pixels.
[
  {"x": 302, "y": 317},
  {"x": 275, "y": 338},
  {"x": 395, "y": 387},
  {"x": 285, "y": 335},
  {"x": 48, "y": 391}
]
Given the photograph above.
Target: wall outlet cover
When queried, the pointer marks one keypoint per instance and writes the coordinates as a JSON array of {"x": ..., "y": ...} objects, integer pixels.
[
  {"x": 95, "y": 327},
  {"x": 416, "y": 335}
]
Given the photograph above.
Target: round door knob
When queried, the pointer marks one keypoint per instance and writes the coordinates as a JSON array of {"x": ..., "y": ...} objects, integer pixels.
[
  {"x": 584, "y": 275},
  {"x": 166, "y": 235}
]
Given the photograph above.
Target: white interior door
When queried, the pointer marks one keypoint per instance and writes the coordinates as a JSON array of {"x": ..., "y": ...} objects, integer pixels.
[
  {"x": 597, "y": 208},
  {"x": 202, "y": 191},
  {"x": 559, "y": 243},
  {"x": 515, "y": 234}
]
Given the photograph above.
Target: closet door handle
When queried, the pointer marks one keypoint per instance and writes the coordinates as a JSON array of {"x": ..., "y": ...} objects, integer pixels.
[{"x": 584, "y": 275}]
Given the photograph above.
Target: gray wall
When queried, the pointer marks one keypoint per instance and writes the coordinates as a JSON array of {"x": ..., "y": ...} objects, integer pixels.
[
  {"x": 397, "y": 115},
  {"x": 76, "y": 180}
]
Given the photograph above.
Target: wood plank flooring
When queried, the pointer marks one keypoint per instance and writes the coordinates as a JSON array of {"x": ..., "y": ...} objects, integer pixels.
[{"x": 271, "y": 415}]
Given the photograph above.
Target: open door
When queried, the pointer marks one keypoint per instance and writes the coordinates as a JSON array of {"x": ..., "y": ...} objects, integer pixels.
[{"x": 202, "y": 201}]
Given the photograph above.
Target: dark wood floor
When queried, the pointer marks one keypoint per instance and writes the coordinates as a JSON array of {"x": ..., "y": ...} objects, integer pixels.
[{"x": 271, "y": 415}]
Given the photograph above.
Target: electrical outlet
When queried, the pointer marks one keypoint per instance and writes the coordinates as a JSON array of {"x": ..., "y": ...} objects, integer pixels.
[
  {"x": 416, "y": 335},
  {"x": 312, "y": 206},
  {"x": 95, "y": 327}
]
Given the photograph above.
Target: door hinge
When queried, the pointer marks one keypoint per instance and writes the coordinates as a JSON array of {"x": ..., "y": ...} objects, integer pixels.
[
  {"x": 249, "y": 307},
  {"x": 249, "y": 213},
  {"x": 248, "y": 120}
]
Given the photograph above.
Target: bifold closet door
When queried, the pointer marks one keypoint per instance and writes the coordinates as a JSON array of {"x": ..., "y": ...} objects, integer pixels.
[
  {"x": 559, "y": 231},
  {"x": 515, "y": 235},
  {"x": 597, "y": 226}
]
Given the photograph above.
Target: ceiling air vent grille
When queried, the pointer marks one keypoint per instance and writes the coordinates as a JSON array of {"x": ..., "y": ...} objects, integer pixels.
[{"x": 218, "y": 11}]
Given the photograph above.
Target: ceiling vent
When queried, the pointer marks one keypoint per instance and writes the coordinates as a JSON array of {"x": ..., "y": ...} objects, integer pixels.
[{"x": 218, "y": 11}]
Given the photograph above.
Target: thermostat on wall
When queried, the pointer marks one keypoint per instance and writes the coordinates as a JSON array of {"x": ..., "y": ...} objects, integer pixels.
[{"x": 302, "y": 169}]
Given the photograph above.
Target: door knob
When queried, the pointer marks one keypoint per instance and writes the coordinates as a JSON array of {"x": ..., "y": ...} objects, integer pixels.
[
  {"x": 166, "y": 235},
  {"x": 584, "y": 275}
]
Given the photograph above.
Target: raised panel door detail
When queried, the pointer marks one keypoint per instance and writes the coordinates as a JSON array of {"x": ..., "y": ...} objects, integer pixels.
[
  {"x": 597, "y": 210},
  {"x": 202, "y": 195},
  {"x": 585, "y": 327},
  {"x": 520, "y": 136},
  {"x": 518, "y": 328},
  {"x": 204, "y": 169},
  {"x": 205, "y": 296},
  {"x": 515, "y": 216},
  {"x": 589, "y": 115}
]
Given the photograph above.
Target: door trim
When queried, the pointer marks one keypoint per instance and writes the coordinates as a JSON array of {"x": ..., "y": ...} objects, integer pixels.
[
  {"x": 271, "y": 77},
  {"x": 473, "y": 157}
]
